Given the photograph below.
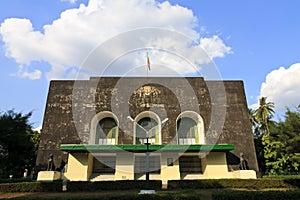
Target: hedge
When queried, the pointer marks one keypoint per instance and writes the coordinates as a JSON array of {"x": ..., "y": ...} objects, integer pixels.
[
  {"x": 124, "y": 197},
  {"x": 234, "y": 183},
  {"x": 256, "y": 195},
  {"x": 31, "y": 187},
  {"x": 156, "y": 185},
  {"x": 76, "y": 186},
  {"x": 15, "y": 180}
]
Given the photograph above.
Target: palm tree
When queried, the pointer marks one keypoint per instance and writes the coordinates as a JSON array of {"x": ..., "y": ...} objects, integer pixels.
[
  {"x": 254, "y": 122},
  {"x": 264, "y": 113}
]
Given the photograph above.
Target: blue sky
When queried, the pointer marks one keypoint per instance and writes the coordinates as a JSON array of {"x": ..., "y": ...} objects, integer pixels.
[{"x": 254, "y": 41}]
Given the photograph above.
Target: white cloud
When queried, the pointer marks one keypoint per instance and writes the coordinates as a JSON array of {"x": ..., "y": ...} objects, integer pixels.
[
  {"x": 67, "y": 42},
  {"x": 214, "y": 47},
  {"x": 282, "y": 86},
  {"x": 22, "y": 73}
]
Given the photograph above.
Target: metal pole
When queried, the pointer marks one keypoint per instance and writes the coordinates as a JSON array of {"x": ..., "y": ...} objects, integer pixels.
[{"x": 147, "y": 163}]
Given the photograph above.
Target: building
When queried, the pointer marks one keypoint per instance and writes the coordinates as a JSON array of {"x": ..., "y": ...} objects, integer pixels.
[{"x": 197, "y": 129}]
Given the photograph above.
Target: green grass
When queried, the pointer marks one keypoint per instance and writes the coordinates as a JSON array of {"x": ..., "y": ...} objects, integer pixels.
[
  {"x": 117, "y": 195},
  {"x": 187, "y": 194}
]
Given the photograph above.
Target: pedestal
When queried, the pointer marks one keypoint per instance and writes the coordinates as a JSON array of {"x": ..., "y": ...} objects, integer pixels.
[
  {"x": 244, "y": 174},
  {"x": 48, "y": 176}
]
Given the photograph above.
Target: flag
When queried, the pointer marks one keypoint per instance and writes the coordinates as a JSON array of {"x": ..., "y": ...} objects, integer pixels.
[{"x": 148, "y": 61}]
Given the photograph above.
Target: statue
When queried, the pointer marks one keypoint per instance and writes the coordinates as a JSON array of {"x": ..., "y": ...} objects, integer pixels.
[
  {"x": 25, "y": 173},
  {"x": 50, "y": 163},
  {"x": 62, "y": 166},
  {"x": 243, "y": 162}
]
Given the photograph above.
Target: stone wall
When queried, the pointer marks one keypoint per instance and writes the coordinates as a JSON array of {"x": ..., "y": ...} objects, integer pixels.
[{"x": 72, "y": 105}]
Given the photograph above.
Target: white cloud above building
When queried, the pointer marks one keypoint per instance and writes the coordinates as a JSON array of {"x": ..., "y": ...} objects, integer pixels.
[
  {"x": 282, "y": 86},
  {"x": 23, "y": 73},
  {"x": 68, "y": 40}
]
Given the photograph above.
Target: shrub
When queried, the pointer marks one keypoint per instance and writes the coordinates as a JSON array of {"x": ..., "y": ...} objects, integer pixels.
[
  {"x": 257, "y": 195},
  {"x": 234, "y": 183},
  {"x": 123, "y": 197},
  {"x": 75, "y": 186},
  {"x": 31, "y": 187},
  {"x": 15, "y": 180}
]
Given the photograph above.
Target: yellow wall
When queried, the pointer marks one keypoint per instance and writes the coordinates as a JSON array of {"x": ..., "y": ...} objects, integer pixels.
[
  {"x": 79, "y": 167},
  {"x": 169, "y": 172},
  {"x": 90, "y": 165},
  {"x": 215, "y": 165},
  {"x": 124, "y": 166}
]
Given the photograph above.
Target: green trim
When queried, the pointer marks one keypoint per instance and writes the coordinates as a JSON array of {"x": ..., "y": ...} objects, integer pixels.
[{"x": 143, "y": 148}]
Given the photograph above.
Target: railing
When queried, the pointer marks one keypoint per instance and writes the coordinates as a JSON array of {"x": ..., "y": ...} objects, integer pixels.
[{"x": 187, "y": 141}]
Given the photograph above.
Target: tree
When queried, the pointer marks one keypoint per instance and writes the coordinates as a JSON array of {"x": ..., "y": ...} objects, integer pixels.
[
  {"x": 254, "y": 122},
  {"x": 291, "y": 137},
  {"x": 263, "y": 114},
  {"x": 277, "y": 143},
  {"x": 260, "y": 120},
  {"x": 281, "y": 145},
  {"x": 17, "y": 145}
]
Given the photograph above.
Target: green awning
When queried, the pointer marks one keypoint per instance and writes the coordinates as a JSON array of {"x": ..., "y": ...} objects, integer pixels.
[{"x": 143, "y": 148}]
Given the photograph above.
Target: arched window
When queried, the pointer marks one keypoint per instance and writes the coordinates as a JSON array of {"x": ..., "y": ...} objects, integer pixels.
[
  {"x": 150, "y": 126},
  {"x": 187, "y": 131},
  {"x": 107, "y": 131},
  {"x": 104, "y": 128},
  {"x": 190, "y": 129},
  {"x": 147, "y": 121}
]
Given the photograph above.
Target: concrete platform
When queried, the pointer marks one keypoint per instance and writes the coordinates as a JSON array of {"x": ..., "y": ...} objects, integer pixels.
[{"x": 49, "y": 176}]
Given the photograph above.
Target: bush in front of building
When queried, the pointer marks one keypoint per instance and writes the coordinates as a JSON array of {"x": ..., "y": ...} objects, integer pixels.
[
  {"x": 15, "y": 180},
  {"x": 257, "y": 195},
  {"x": 76, "y": 186},
  {"x": 169, "y": 196},
  {"x": 234, "y": 183},
  {"x": 31, "y": 187}
]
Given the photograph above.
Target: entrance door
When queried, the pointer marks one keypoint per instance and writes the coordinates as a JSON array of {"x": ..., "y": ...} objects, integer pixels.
[{"x": 140, "y": 166}]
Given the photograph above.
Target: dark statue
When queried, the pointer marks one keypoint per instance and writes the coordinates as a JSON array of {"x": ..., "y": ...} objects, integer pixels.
[{"x": 243, "y": 163}]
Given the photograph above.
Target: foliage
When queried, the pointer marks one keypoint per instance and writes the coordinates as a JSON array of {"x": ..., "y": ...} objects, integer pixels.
[
  {"x": 190, "y": 189},
  {"x": 277, "y": 143},
  {"x": 15, "y": 180},
  {"x": 264, "y": 114},
  {"x": 118, "y": 196},
  {"x": 281, "y": 145},
  {"x": 256, "y": 195},
  {"x": 31, "y": 187},
  {"x": 290, "y": 176},
  {"x": 254, "y": 122},
  {"x": 259, "y": 147},
  {"x": 234, "y": 183},
  {"x": 18, "y": 144},
  {"x": 75, "y": 186}
]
